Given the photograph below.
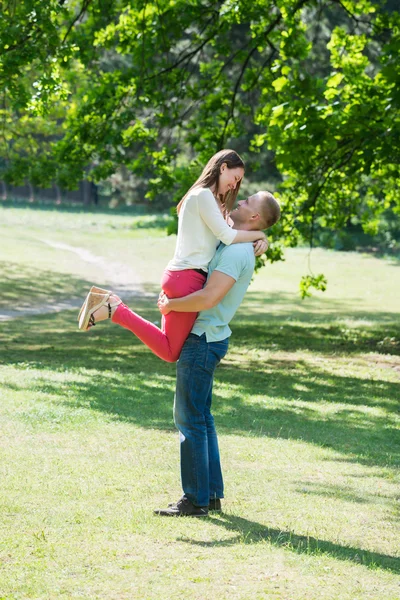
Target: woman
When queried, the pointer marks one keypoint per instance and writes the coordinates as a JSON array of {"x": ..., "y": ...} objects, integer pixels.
[{"x": 202, "y": 226}]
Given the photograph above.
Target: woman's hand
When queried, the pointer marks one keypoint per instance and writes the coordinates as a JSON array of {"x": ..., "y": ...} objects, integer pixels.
[
  {"x": 260, "y": 246},
  {"x": 163, "y": 303}
]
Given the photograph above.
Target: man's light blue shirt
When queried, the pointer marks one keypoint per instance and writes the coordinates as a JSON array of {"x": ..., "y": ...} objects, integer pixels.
[{"x": 237, "y": 261}]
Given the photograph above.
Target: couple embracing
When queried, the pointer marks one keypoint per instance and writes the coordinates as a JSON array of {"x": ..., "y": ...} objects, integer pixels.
[{"x": 202, "y": 288}]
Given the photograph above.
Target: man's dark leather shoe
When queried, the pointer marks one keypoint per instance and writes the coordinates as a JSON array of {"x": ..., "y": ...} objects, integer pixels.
[
  {"x": 215, "y": 504},
  {"x": 183, "y": 508}
]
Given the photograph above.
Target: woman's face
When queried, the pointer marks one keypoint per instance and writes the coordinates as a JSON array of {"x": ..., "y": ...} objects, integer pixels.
[{"x": 229, "y": 178}]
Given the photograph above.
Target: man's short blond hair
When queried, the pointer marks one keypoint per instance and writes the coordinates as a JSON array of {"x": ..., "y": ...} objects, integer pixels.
[{"x": 270, "y": 211}]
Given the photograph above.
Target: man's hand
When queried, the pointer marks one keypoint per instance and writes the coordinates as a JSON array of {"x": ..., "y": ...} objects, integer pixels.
[
  {"x": 163, "y": 303},
  {"x": 216, "y": 288},
  {"x": 260, "y": 246}
]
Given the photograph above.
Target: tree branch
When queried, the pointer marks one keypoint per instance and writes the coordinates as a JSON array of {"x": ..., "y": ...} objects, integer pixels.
[
  {"x": 264, "y": 64},
  {"x": 232, "y": 56},
  {"x": 344, "y": 160},
  {"x": 142, "y": 66},
  {"x": 353, "y": 16},
  {"x": 23, "y": 41},
  {"x": 182, "y": 59},
  {"x": 84, "y": 8},
  {"x": 266, "y": 33},
  {"x": 233, "y": 100}
]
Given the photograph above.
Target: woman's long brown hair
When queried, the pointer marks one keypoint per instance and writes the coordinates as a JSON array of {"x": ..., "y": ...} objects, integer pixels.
[{"x": 210, "y": 176}]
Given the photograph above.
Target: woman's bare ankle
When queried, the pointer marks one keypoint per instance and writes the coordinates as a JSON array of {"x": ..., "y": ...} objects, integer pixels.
[{"x": 114, "y": 301}]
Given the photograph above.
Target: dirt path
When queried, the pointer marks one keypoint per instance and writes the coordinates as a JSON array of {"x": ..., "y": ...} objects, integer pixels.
[{"x": 122, "y": 279}]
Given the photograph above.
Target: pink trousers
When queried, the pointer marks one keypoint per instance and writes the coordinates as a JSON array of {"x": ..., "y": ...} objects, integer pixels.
[{"x": 166, "y": 342}]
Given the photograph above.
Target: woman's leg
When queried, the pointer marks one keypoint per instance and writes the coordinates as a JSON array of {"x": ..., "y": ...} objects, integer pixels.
[{"x": 166, "y": 342}]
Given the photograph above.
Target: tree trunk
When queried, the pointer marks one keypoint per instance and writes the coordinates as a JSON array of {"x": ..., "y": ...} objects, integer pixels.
[
  {"x": 31, "y": 192},
  {"x": 4, "y": 192},
  {"x": 87, "y": 193},
  {"x": 58, "y": 194}
]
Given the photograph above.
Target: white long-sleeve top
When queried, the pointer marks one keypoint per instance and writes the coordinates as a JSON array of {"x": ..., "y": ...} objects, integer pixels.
[{"x": 201, "y": 227}]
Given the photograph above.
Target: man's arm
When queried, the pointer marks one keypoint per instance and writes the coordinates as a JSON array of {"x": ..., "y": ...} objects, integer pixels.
[{"x": 215, "y": 289}]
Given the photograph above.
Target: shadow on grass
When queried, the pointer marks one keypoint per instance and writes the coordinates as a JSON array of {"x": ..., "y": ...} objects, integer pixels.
[
  {"x": 289, "y": 307},
  {"x": 118, "y": 376},
  {"x": 316, "y": 330},
  {"x": 345, "y": 493},
  {"x": 21, "y": 286},
  {"x": 251, "y": 532},
  {"x": 24, "y": 288}
]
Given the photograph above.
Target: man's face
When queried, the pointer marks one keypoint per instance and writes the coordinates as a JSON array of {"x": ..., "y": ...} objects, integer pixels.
[{"x": 245, "y": 210}]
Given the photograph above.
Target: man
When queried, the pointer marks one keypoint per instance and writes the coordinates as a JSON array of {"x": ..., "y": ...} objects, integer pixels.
[{"x": 229, "y": 276}]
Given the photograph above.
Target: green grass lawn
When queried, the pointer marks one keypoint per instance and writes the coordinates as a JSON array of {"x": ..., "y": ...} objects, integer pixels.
[{"x": 306, "y": 404}]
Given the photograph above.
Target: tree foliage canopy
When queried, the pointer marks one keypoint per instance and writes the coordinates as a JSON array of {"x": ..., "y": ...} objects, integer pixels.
[{"x": 159, "y": 86}]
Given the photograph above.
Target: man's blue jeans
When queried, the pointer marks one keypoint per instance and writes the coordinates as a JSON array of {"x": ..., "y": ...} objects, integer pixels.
[{"x": 200, "y": 462}]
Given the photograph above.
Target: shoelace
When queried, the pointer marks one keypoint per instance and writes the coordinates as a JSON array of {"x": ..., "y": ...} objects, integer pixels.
[{"x": 182, "y": 501}]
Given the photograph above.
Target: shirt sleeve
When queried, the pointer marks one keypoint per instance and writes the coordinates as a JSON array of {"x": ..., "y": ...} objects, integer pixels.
[
  {"x": 212, "y": 217},
  {"x": 236, "y": 262}
]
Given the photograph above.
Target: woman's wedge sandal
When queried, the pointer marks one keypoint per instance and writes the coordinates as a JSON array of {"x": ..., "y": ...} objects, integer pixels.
[
  {"x": 95, "y": 301},
  {"x": 95, "y": 289}
]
